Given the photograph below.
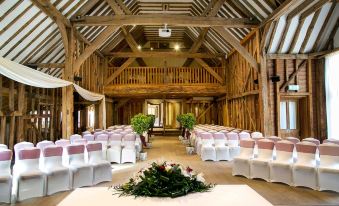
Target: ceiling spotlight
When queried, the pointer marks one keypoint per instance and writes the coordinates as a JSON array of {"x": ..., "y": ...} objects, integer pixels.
[
  {"x": 139, "y": 47},
  {"x": 151, "y": 48},
  {"x": 176, "y": 47}
]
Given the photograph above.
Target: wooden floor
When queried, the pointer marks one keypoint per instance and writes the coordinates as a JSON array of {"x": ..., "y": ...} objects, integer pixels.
[{"x": 170, "y": 149}]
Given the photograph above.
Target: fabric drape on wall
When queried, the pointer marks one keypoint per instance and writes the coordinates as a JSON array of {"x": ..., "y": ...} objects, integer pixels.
[
  {"x": 28, "y": 76},
  {"x": 91, "y": 96},
  {"x": 332, "y": 94}
]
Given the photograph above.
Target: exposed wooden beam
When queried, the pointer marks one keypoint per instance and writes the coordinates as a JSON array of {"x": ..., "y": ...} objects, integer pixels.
[
  {"x": 309, "y": 31},
  {"x": 329, "y": 14},
  {"x": 156, "y": 19},
  {"x": 132, "y": 44},
  {"x": 118, "y": 71},
  {"x": 163, "y": 54},
  {"x": 211, "y": 10},
  {"x": 294, "y": 74},
  {"x": 46, "y": 65},
  {"x": 101, "y": 38},
  {"x": 313, "y": 9},
  {"x": 237, "y": 46},
  {"x": 287, "y": 56},
  {"x": 284, "y": 8},
  {"x": 50, "y": 10},
  {"x": 209, "y": 70},
  {"x": 86, "y": 7},
  {"x": 205, "y": 111},
  {"x": 164, "y": 89}
]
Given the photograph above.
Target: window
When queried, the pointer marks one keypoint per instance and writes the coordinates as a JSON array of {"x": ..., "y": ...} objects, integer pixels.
[
  {"x": 91, "y": 116},
  {"x": 289, "y": 114},
  {"x": 332, "y": 94}
]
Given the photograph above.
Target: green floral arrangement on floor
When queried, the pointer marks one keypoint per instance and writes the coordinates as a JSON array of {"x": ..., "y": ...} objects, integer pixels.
[{"x": 164, "y": 180}]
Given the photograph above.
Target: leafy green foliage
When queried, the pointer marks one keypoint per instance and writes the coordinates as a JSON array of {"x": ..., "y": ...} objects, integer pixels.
[
  {"x": 140, "y": 123},
  {"x": 164, "y": 180},
  {"x": 151, "y": 120},
  {"x": 188, "y": 121},
  {"x": 179, "y": 118}
]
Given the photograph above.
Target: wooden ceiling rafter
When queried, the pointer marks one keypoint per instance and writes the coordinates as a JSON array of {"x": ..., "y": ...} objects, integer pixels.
[
  {"x": 211, "y": 10},
  {"x": 160, "y": 19}
]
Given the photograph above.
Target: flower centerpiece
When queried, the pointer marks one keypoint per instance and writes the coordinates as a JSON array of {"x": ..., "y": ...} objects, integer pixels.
[{"x": 164, "y": 180}]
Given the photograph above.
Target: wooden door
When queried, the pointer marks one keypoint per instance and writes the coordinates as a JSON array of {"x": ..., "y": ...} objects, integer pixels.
[{"x": 289, "y": 118}]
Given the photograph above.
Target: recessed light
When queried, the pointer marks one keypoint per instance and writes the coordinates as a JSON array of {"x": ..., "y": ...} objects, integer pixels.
[
  {"x": 151, "y": 48},
  {"x": 176, "y": 47},
  {"x": 139, "y": 47}
]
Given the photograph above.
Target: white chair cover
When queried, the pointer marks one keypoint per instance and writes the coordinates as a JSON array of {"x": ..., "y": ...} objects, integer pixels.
[
  {"x": 102, "y": 170},
  {"x": 5, "y": 175},
  {"x": 305, "y": 169},
  {"x": 57, "y": 175},
  {"x": 241, "y": 163},
  {"x": 28, "y": 179},
  {"x": 260, "y": 165},
  {"x": 328, "y": 171}
]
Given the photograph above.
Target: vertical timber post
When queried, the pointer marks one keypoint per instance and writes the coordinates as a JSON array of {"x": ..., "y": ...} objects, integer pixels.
[{"x": 67, "y": 92}]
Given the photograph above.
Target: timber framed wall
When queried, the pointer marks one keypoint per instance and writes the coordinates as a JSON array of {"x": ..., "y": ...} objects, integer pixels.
[
  {"x": 28, "y": 113},
  {"x": 240, "y": 107}
]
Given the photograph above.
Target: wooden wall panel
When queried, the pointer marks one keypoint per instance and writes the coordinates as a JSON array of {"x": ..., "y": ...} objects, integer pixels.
[
  {"x": 28, "y": 113},
  {"x": 240, "y": 108}
]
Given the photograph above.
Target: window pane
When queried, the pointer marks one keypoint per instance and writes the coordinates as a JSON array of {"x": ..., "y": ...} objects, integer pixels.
[
  {"x": 292, "y": 107},
  {"x": 283, "y": 118}
]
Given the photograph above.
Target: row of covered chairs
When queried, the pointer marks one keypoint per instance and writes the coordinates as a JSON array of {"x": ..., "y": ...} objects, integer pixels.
[
  {"x": 219, "y": 145},
  {"x": 40, "y": 170},
  {"x": 294, "y": 164},
  {"x": 118, "y": 147}
]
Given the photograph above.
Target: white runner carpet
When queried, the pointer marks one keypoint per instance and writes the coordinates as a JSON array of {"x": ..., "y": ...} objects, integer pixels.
[{"x": 233, "y": 195}]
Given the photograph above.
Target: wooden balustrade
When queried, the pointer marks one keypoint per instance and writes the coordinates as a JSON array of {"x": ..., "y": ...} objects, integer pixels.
[{"x": 161, "y": 75}]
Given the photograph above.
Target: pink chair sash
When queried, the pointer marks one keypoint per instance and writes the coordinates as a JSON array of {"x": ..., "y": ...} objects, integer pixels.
[
  {"x": 294, "y": 140},
  {"x": 29, "y": 153},
  {"x": 102, "y": 137},
  {"x": 5, "y": 155},
  {"x": 285, "y": 146},
  {"x": 94, "y": 147},
  {"x": 315, "y": 141},
  {"x": 274, "y": 138},
  {"x": 247, "y": 143},
  {"x": 129, "y": 137},
  {"x": 330, "y": 149},
  {"x": 89, "y": 137},
  {"x": 266, "y": 144},
  {"x": 62, "y": 142},
  {"x": 52, "y": 151},
  {"x": 75, "y": 149},
  {"x": 232, "y": 136},
  {"x": 219, "y": 135},
  {"x": 206, "y": 135},
  {"x": 306, "y": 147}
]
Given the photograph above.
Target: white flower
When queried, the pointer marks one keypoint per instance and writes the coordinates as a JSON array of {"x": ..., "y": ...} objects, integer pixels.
[
  {"x": 185, "y": 173},
  {"x": 168, "y": 168},
  {"x": 200, "y": 177}
]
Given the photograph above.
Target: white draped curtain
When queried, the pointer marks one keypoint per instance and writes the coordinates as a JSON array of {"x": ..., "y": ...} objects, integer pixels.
[
  {"x": 332, "y": 94},
  {"x": 28, "y": 76}
]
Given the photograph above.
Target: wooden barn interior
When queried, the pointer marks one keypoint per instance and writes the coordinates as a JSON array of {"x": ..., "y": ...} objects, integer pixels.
[{"x": 255, "y": 65}]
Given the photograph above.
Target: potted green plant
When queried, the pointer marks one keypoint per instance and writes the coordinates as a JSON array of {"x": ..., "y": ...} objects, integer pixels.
[
  {"x": 188, "y": 122},
  {"x": 179, "y": 119},
  {"x": 140, "y": 124}
]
